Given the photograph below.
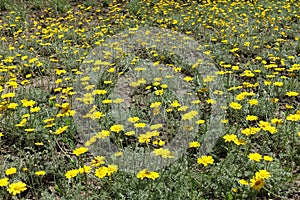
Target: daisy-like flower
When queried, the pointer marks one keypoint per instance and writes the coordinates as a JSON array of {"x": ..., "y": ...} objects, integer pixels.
[
  {"x": 147, "y": 174},
  {"x": 264, "y": 174},
  {"x": 256, "y": 182},
  {"x": 98, "y": 160},
  {"x": 61, "y": 130},
  {"x": 4, "y": 182},
  {"x": 71, "y": 173},
  {"x": 80, "y": 150},
  {"x": 190, "y": 115},
  {"x": 255, "y": 157},
  {"x": 194, "y": 144},
  {"x": 117, "y": 128},
  {"x": 140, "y": 125},
  {"x": 164, "y": 153},
  {"x": 244, "y": 182},
  {"x": 40, "y": 173},
  {"x": 205, "y": 160},
  {"x": 111, "y": 169},
  {"x": 101, "y": 172},
  {"x": 235, "y": 105},
  {"x": 268, "y": 158},
  {"x": 230, "y": 137},
  {"x": 11, "y": 171},
  {"x": 293, "y": 117},
  {"x": 133, "y": 119},
  {"x": 27, "y": 103},
  {"x": 253, "y": 102},
  {"x": 292, "y": 94},
  {"x": 16, "y": 188},
  {"x": 251, "y": 118},
  {"x": 85, "y": 169},
  {"x": 155, "y": 104}
]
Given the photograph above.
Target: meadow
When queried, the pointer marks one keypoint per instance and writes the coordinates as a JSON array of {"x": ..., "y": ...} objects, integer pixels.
[{"x": 143, "y": 99}]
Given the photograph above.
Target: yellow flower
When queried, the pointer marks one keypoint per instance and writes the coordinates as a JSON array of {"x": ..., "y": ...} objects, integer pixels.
[
  {"x": 211, "y": 101},
  {"x": 61, "y": 130},
  {"x": 35, "y": 109},
  {"x": 264, "y": 174},
  {"x": 200, "y": 121},
  {"x": 27, "y": 103},
  {"x": 140, "y": 125},
  {"x": 268, "y": 158},
  {"x": 111, "y": 169},
  {"x": 118, "y": 100},
  {"x": 194, "y": 144},
  {"x": 251, "y": 118},
  {"x": 8, "y": 95},
  {"x": 293, "y": 117},
  {"x": 156, "y": 126},
  {"x": 264, "y": 125},
  {"x": 4, "y": 182},
  {"x": 250, "y": 131},
  {"x": 40, "y": 173},
  {"x": 277, "y": 121},
  {"x": 188, "y": 78},
  {"x": 80, "y": 150},
  {"x": 235, "y": 105},
  {"x": 159, "y": 142},
  {"x": 292, "y": 94},
  {"x": 117, "y": 128},
  {"x": 183, "y": 108},
  {"x": 230, "y": 137},
  {"x": 85, "y": 169},
  {"x": 147, "y": 174},
  {"x": 133, "y": 119},
  {"x": 205, "y": 160},
  {"x": 253, "y": 102},
  {"x": 98, "y": 160},
  {"x": 279, "y": 84},
  {"x": 155, "y": 104},
  {"x": 256, "y": 182},
  {"x": 190, "y": 115},
  {"x": 16, "y": 188},
  {"x": 71, "y": 173},
  {"x": 11, "y": 171},
  {"x": 175, "y": 104},
  {"x": 243, "y": 182},
  {"x": 107, "y": 101},
  {"x": 144, "y": 138},
  {"x": 101, "y": 172},
  {"x": 130, "y": 133},
  {"x": 29, "y": 129},
  {"x": 12, "y": 105},
  {"x": 101, "y": 92},
  {"x": 224, "y": 121},
  {"x": 255, "y": 157},
  {"x": 102, "y": 134},
  {"x": 164, "y": 153},
  {"x": 120, "y": 153}
]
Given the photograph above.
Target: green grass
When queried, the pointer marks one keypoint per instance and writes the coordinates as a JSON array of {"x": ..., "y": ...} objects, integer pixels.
[{"x": 120, "y": 56}]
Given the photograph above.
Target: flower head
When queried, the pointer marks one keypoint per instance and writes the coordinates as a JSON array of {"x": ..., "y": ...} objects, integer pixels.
[
  {"x": 4, "y": 182},
  {"x": 16, "y": 188},
  {"x": 255, "y": 157},
  {"x": 205, "y": 160},
  {"x": 80, "y": 150},
  {"x": 256, "y": 182},
  {"x": 147, "y": 174}
]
